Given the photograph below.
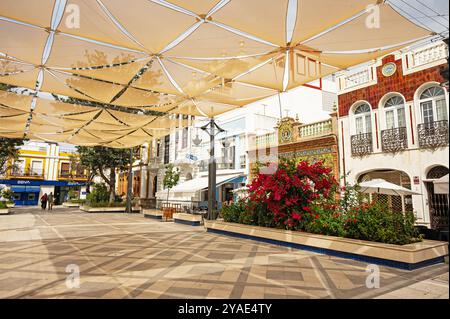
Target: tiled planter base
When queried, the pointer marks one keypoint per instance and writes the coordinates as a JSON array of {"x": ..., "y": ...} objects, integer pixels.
[
  {"x": 152, "y": 213},
  {"x": 71, "y": 205},
  {"x": 5, "y": 211},
  {"x": 409, "y": 257},
  {"x": 187, "y": 219},
  {"x": 88, "y": 209}
]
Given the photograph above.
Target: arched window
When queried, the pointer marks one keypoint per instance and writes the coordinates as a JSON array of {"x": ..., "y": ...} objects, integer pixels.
[
  {"x": 363, "y": 121},
  {"x": 394, "y": 108},
  {"x": 433, "y": 105}
]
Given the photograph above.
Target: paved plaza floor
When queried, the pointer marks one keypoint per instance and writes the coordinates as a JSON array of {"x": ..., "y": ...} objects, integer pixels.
[{"x": 129, "y": 256}]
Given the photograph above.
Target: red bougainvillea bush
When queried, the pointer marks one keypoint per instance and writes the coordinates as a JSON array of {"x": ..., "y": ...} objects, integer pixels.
[
  {"x": 302, "y": 196},
  {"x": 291, "y": 191}
]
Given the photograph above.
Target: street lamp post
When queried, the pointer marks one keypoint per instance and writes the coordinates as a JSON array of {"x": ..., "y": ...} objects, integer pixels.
[
  {"x": 212, "y": 129},
  {"x": 130, "y": 183}
]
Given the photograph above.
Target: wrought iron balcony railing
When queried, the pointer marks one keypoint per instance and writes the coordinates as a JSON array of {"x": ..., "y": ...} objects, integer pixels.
[
  {"x": 394, "y": 140},
  {"x": 35, "y": 173},
  {"x": 433, "y": 134},
  {"x": 361, "y": 144}
]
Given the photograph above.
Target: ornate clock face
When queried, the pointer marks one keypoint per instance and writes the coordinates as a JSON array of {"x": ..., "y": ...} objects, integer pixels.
[
  {"x": 286, "y": 135},
  {"x": 389, "y": 69}
]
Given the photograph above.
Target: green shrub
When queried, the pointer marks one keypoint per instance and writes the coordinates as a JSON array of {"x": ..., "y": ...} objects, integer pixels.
[
  {"x": 3, "y": 205},
  {"x": 231, "y": 213},
  {"x": 324, "y": 220},
  {"x": 7, "y": 194},
  {"x": 99, "y": 194},
  {"x": 77, "y": 201},
  {"x": 376, "y": 222},
  {"x": 72, "y": 194}
]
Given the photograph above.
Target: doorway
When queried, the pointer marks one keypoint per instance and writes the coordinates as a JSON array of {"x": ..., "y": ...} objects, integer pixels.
[{"x": 438, "y": 203}]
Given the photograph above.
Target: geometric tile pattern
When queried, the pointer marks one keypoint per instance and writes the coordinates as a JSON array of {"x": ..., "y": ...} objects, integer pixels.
[{"x": 129, "y": 256}]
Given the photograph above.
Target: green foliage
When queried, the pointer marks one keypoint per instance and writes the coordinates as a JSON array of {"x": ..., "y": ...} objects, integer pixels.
[
  {"x": 99, "y": 194},
  {"x": 8, "y": 194},
  {"x": 9, "y": 152},
  {"x": 72, "y": 194},
  {"x": 349, "y": 216},
  {"x": 77, "y": 201},
  {"x": 171, "y": 178},
  {"x": 100, "y": 159},
  {"x": 231, "y": 213},
  {"x": 3, "y": 205},
  {"x": 325, "y": 221},
  {"x": 376, "y": 222}
]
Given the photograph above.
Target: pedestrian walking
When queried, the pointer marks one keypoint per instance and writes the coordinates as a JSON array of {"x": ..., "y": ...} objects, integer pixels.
[
  {"x": 44, "y": 199},
  {"x": 50, "y": 200}
]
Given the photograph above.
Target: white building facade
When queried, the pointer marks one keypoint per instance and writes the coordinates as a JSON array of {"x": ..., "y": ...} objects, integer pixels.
[{"x": 393, "y": 124}]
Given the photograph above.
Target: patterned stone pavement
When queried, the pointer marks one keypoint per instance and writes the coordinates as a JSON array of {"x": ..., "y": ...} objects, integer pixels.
[{"x": 129, "y": 256}]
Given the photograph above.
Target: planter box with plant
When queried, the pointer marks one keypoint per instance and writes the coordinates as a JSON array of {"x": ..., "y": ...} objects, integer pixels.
[
  {"x": 7, "y": 196},
  {"x": 98, "y": 201},
  {"x": 298, "y": 201},
  {"x": 4, "y": 210},
  {"x": 152, "y": 213},
  {"x": 187, "y": 219}
]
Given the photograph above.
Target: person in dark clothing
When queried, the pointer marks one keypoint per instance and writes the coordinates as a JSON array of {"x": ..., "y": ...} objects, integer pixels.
[{"x": 44, "y": 199}]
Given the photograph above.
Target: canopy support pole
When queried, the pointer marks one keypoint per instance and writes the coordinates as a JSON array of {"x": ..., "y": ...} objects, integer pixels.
[
  {"x": 210, "y": 128},
  {"x": 130, "y": 183}
]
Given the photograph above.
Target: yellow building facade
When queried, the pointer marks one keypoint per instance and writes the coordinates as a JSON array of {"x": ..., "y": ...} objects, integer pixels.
[{"x": 45, "y": 168}]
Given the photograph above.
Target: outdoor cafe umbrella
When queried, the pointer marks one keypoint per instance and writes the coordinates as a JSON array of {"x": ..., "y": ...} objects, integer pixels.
[
  {"x": 441, "y": 185},
  {"x": 380, "y": 186}
]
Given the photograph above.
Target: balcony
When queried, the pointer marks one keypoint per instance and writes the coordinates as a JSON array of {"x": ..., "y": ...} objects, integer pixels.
[
  {"x": 394, "y": 140},
  {"x": 433, "y": 134},
  {"x": 425, "y": 57},
  {"x": 27, "y": 174},
  {"x": 64, "y": 175},
  {"x": 351, "y": 81},
  {"x": 361, "y": 144},
  {"x": 316, "y": 129}
]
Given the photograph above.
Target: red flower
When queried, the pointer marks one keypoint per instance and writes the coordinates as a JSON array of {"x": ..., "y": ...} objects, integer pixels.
[{"x": 296, "y": 216}]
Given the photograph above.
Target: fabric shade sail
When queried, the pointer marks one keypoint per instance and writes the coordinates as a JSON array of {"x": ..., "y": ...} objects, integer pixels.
[{"x": 170, "y": 58}]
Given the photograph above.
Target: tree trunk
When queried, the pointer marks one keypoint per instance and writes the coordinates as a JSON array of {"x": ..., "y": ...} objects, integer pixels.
[
  {"x": 112, "y": 185},
  {"x": 168, "y": 191}
]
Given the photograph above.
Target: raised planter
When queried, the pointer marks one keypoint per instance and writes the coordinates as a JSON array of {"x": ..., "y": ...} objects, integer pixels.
[
  {"x": 102, "y": 209},
  {"x": 187, "y": 219},
  {"x": 410, "y": 257},
  {"x": 71, "y": 205},
  {"x": 152, "y": 213},
  {"x": 5, "y": 211}
]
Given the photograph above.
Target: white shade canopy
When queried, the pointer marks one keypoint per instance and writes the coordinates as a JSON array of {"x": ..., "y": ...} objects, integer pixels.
[
  {"x": 441, "y": 185},
  {"x": 180, "y": 56},
  {"x": 380, "y": 186}
]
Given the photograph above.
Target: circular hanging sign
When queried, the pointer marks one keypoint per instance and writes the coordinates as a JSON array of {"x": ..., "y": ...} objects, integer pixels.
[{"x": 389, "y": 69}]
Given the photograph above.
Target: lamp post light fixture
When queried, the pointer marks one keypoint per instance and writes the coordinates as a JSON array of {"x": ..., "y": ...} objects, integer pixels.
[
  {"x": 197, "y": 140},
  {"x": 212, "y": 129}
]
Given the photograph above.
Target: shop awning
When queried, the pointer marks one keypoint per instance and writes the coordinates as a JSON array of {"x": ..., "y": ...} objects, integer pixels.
[
  {"x": 194, "y": 185},
  {"x": 129, "y": 67},
  {"x": 441, "y": 185}
]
